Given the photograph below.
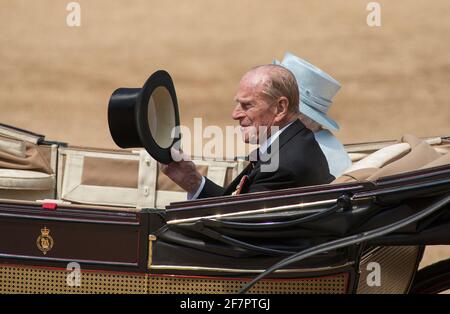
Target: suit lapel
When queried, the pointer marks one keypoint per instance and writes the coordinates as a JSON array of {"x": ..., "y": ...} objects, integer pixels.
[
  {"x": 251, "y": 170},
  {"x": 285, "y": 136},
  {"x": 290, "y": 132}
]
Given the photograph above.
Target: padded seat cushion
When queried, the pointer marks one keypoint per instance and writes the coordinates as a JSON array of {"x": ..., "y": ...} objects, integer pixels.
[
  {"x": 356, "y": 175},
  {"x": 412, "y": 154},
  {"x": 420, "y": 155},
  {"x": 12, "y": 179},
  {"x": 443, "y": 160},
  {"x": 381, "y": 157}
]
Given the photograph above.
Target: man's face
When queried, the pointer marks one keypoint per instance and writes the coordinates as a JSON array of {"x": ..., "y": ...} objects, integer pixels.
[{"x": 252, "y": 109}]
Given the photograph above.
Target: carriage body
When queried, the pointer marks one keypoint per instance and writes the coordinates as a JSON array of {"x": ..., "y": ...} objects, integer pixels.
[{"x": 128, "y": 229}]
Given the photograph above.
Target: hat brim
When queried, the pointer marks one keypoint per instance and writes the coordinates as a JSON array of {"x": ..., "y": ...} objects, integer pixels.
[
  {"x": 146, "y": 117},
  {"x": 315, "y": 114},
  {"x": 145, "y": 124},
  {"x": 318, "y": 116}
]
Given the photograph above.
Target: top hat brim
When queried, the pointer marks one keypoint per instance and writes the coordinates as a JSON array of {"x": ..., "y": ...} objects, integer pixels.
[
  {"x": 158, "y": 152},
  {"x": 131, "y": 124}
]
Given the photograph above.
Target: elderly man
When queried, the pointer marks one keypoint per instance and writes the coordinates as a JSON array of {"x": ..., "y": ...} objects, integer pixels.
[{"x": 267, "y": 97}]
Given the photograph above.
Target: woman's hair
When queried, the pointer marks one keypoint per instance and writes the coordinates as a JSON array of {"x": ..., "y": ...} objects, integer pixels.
[{"x": 310, "y": 123}]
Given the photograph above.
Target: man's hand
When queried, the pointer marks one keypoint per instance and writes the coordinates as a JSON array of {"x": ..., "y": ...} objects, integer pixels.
[{"x": 183, "y": 172}]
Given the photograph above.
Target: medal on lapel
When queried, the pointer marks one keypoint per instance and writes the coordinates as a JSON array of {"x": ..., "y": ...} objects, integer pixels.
[{"x": 242, "y": 186}]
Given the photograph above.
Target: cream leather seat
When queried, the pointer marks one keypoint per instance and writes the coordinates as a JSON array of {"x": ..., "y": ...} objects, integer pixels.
[
  {"x": 27, "y": 168},
  {"x": 12, "y": 179},
  {"x": 26, "y": 185},
  {"x": 411, "y": 154}
]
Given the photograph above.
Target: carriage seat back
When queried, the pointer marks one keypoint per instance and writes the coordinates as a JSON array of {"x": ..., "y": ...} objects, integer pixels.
[
  {"x": 131, "y": 179},
  {"x": 27, "y": 169},
  {"x": 410, "y": 154}
]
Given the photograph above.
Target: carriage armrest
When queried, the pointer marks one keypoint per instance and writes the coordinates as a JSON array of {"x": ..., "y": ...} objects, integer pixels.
[
  {"x": 26, "y": 185},
  {"x": 412, "y": 154},
  {"x": 12, "y": 179}
]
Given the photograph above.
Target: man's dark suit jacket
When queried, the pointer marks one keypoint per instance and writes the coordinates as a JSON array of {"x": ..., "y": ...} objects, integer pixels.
[{"x": 301, "y": 163}]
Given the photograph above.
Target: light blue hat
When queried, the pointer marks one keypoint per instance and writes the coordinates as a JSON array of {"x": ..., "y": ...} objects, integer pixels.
[{"x": 316, "y": 89}]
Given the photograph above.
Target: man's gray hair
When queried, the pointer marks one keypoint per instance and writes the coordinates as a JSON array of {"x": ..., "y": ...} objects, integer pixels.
[{"x": 280, "y": 82}]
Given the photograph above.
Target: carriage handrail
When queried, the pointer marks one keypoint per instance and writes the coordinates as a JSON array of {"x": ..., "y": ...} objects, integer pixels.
[
  {"x": 274, "y": 224},
  {"x": 255, "y": 211}
]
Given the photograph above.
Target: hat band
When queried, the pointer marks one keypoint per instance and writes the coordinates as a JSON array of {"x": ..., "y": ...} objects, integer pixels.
[
  {"x": 317, "y": 106},
  {"x": 311, "y": 101},
  {"x": 317, "y": 102},
  {"x": 319, "y": 99}
]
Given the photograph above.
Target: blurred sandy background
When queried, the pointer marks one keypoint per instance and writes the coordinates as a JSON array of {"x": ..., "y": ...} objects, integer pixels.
[{"x": 56, "y": 80}]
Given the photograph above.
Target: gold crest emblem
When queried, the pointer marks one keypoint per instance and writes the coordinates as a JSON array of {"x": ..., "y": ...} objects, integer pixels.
[{"x": 44, "y": 242}]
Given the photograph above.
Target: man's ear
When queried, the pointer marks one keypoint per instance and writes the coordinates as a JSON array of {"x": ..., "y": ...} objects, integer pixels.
[{"x": 282, "y": 108}]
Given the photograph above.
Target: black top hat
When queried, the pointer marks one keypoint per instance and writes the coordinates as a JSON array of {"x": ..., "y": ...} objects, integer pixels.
[{"x": 146, "y": 117}]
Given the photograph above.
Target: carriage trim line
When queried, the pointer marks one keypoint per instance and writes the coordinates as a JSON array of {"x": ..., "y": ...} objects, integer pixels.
[
  {"x": 238, "y": 270},
  {"x": 254, "y": 211}
]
